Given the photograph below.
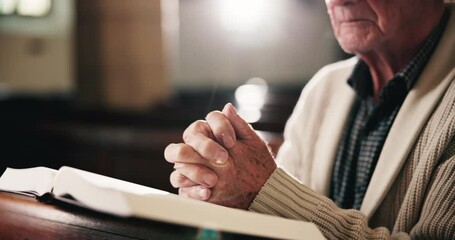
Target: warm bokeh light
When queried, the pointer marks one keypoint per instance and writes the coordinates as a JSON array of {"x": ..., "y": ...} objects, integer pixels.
[
  {"x": 250, "y": 115},
  {"x": 7, "y": 6},
  {"x": 251, "y": 98},
  {"x": 243, "y": 15},
  {"x": 34, "y": 8}
]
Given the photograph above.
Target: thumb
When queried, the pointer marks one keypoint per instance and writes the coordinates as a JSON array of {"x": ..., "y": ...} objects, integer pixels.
[{"x": 241, "y": 127}]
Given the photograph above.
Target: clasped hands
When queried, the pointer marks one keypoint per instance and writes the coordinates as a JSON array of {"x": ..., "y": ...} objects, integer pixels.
[{"x": 222, "y": 160}]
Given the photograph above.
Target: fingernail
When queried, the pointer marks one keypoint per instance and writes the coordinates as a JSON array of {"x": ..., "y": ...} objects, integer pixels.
[
  {"x": 209, "y": 180},
  {"x": 227, "y": 140},
  {"x": 221, "y": 157},
  {"x": 203, "y": 193}
]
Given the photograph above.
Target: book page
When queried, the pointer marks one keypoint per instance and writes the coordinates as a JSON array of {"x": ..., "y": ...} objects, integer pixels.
[
  {"x": 112, "y": 183},
  {"x": 184, "y": 211},
  {"x": 29, "y": 181},
  {"x": 98, "y": 192},
  {"x": 123, "y": 198}
]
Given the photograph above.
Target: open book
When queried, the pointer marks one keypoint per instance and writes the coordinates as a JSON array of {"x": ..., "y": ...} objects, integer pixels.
[{"x": 121, "y": 198}]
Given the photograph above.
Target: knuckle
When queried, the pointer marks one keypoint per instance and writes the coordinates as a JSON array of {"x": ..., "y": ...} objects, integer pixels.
[
  {"x": 206, "y": 147},
  {"x": 200, "y": 125},
  {"x": 181, "y": 180},
  {"x": 216, "y": 122},
  {"x": 196, "y": 126},
  {"x": 183, "y": 152},
  {"x": 189, "y": 173},
  {"x": 213, "y": 114},
  {"x": 189, "y": 192},
  {"x": 193, "y": 192},
  {"x": 179, "y": 165},
  {"x": 197, "y": 173}
]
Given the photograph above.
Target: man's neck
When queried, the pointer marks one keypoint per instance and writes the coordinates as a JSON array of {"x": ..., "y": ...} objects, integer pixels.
[{"x": 385, "y": 62}]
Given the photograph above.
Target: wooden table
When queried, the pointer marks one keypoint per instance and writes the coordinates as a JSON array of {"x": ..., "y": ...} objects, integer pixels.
[{"x": 25, "y": 218}]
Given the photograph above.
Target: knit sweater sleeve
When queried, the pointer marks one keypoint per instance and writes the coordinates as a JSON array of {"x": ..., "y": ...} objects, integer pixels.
[{"x": 284, "y": 196}]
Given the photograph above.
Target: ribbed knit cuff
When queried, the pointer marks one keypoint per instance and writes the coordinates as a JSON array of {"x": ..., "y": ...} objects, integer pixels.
[{"x": 284, "y": 196}]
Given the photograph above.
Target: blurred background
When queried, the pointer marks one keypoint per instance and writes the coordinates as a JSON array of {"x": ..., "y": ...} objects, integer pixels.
[{"x": 106, "y": 85}]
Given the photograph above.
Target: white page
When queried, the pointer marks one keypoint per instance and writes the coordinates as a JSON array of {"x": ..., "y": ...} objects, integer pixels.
[
  {"x": 98, "y": 192},
  {"x": 122, "y": 198},
  {"x": 36, "y": 181},
  {"x": 113, "y": 183},
  {"x": 184, "y": 211}
]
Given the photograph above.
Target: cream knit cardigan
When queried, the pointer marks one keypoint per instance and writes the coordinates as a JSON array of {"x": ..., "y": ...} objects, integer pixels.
[{"x": 412, "y": 190}]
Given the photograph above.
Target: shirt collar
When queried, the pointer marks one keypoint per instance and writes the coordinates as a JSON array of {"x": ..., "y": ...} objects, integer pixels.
[{"x": 361, "y": 81}]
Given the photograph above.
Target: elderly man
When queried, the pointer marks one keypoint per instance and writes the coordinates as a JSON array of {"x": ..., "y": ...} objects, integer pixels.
[{"x": 369, "y": 150}]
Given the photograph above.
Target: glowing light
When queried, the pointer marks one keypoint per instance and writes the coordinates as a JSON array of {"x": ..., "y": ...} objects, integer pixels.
[
  {"x": 7, "y": 6},
  {"x": 251, "y": 116},
  {"x": 243, "y": 15},
  {"x": 251, "y": 98},
  {"x": 34, "y": 8}
]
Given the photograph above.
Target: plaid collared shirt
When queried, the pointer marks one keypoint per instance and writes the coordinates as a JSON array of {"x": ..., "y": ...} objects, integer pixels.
[{"x": 369, "y": 123}]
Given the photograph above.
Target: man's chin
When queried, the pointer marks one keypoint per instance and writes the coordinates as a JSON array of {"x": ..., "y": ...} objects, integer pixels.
[
  {"x": 358, "y": 44},
  {"x": 349, "y": 49},
  {"x": 355, "y": 47}
]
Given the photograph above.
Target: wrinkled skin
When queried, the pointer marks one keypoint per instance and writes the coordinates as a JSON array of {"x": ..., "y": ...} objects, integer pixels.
[
  {"x": 222, "y": 160},
  {"x": 384, "y": 33}
]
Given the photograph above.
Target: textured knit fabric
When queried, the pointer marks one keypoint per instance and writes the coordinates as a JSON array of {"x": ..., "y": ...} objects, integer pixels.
[
  {"x": 370, "y": 122},
  {"x": 427, "y": 212},
  {"x": 411, "y": 193}
]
